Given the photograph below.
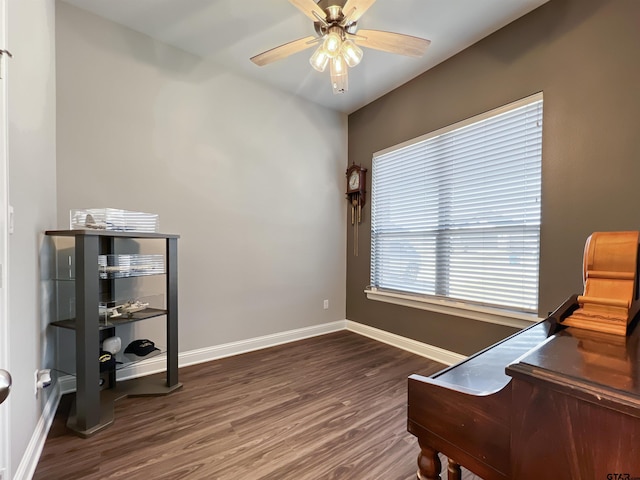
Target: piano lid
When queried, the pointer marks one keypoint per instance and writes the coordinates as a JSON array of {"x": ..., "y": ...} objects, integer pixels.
[{"x": 484, "y": 372}]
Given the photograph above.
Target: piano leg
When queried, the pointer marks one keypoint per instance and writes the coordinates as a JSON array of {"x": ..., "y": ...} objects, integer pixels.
[
  {"x": 453, "y": 470},
  {"x": 429, "y": 465}
]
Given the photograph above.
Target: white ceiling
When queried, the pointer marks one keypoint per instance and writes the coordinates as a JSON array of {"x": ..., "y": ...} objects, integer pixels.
[{"x": 229, "y": 32}]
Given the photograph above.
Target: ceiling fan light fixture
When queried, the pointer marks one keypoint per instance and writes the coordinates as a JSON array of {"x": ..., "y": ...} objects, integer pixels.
[
  {"x": 351, "y": 52},
  {"x": 336, "y": 25},
  {"x": 339, "y": 75},
  {"x": 332, "y": 43},
  {"x": 319, "y": 60}
]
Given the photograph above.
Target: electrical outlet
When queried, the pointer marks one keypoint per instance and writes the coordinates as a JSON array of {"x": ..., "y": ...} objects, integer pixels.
[
  {"x": 42, "y": 380},
  {"x": 326, "y": 304}
]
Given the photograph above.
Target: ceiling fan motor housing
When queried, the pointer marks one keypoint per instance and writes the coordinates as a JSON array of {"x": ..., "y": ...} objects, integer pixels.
[
  {"x": 324, "y": 4},
  {"x": 335, "y": 15}
]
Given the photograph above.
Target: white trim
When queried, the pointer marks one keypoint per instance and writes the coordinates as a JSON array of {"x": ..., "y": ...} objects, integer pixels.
[
  {"x": 423, "y": 349},
  {"x": 463, "y": 123},
  {"x": 5, "y": 363},
  {"x": 243, "y": 346},
  {"x": 458, "y": 309},
  {"x": 67, "y": 384},
  {"x": 158, "y": 363},
  {"x": 31, "y": 456}
]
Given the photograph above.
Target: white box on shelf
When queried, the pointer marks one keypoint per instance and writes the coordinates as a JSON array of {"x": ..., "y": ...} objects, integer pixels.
[
  {"x": 129, "y": 265},
  {"x": 112, "y": 219}
]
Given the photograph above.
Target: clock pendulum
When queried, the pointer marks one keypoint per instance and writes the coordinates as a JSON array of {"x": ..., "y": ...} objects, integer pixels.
[
  {"x": 355, "y": 207},
  {"x": 356, "y": 183}
]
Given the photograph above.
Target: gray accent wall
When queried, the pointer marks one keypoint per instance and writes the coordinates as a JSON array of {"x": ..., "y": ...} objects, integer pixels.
[{"x": 583, "y": 55}]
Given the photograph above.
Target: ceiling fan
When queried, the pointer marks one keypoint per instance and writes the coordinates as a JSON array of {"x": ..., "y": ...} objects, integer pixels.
[{"x": 336, "y": 23}]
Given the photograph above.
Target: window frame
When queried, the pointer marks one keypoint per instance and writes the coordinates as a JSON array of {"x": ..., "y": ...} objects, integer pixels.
[{"x": 493, "y": 314}]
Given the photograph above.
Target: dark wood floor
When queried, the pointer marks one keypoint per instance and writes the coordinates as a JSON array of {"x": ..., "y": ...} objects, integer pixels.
[{"x": 330, "y": 407}]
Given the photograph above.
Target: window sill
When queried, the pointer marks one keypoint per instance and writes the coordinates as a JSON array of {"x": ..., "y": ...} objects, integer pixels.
[{"x": 458, "y": 309}]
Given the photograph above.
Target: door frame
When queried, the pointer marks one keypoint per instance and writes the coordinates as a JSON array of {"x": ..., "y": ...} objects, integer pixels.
[{"x": 5, "y": 436}]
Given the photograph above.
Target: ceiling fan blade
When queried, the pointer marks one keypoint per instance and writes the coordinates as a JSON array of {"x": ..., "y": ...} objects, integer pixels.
[
  {"x": 391, "y": 42},
  {"x": 284, "y": 51},
  {"x": 308, "y": 7},
  {"x": 354, "y": 9}
]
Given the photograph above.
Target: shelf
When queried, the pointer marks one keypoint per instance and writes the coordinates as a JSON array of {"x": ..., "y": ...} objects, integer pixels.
[
  {"x": 81, "y": 303},
  {"x": 108, "y": 233},
  {"x": 114, "y": 322},
  {"x": 129, "y": 265}
]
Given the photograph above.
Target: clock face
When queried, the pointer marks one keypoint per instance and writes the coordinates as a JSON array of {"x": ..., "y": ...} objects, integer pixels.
[{"x": 354, "y": 180}]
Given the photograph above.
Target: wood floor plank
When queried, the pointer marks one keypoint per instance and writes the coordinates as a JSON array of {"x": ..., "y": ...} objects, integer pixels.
[{"x": 330, "y": 407}]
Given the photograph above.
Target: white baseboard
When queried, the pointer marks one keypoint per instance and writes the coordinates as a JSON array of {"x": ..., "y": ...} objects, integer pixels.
[
  {"x": 158, "y": 363},
  {"x": 243, "y": 346},
  {"x": 423, "y": 349},
  {"x": 67, "y": 384},
  {"x": 29, "y": 461}
]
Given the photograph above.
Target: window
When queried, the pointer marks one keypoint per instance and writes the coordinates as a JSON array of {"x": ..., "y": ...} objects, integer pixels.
[{"x": 456, "y": 213}]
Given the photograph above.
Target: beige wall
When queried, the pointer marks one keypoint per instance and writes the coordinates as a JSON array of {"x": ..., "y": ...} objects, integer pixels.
[
  {"x": 251, "y": 178},
  {"x": 583, "y": 54}
]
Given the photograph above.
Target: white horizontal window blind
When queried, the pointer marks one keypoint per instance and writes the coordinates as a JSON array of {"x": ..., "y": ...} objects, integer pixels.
[{"x": 456, "y": 213}]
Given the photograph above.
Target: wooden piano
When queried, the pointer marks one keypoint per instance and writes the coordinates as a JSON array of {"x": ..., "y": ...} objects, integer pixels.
[{"x": 548, "y": 402}]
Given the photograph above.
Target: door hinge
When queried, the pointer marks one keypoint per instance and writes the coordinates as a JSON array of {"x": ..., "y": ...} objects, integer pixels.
[{"x": 2, "y": 52}]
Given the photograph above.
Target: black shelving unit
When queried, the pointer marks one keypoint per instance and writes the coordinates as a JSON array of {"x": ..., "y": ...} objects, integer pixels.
[{"x": 94, "y": 405}]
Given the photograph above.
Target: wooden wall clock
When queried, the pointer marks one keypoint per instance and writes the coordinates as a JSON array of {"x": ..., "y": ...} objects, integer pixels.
[{"x": 356, "y": 194}]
